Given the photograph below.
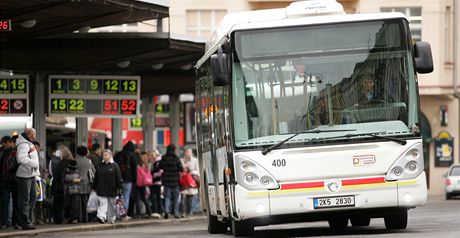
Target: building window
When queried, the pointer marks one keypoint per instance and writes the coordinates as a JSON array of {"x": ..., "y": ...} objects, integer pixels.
[
  {"x": 202, "y": 23},
  {"x": 414, "y": 14}
]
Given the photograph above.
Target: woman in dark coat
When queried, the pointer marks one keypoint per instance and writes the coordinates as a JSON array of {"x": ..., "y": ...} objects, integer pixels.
[
  {"x": 107, "y": 183},
  {"x": 57, "y": 187}
]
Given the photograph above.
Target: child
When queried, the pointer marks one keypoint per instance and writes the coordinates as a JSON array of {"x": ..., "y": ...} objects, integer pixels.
[{"x": 188, "y": 189}]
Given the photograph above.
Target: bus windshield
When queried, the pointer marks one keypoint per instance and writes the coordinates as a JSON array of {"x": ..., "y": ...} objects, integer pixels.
[{"x": 348, "y": 76}]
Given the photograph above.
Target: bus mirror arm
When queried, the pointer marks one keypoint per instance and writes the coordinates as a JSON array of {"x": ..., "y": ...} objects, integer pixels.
[
  {"x": 220, "y": 69},
  {"x": 423, "y": 57}
]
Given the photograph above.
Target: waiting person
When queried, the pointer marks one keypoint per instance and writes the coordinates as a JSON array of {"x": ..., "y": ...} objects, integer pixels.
[
  {"x": 96, "y": 154},
  {"x": 144, "y": 181},
  {"x": 172, "y": 167},
  {"x": 57, "y": 187},
  {"x": 189, "y": 190},
  {"x": 86, "y": 171},
  {"x": 39, "y": 212},
  {"x": 191, "y": 163},
  {"x": 155, "y": 189},
  {"x": 27, "y": 157},
  {"x": 107, "y": 183},
  {"x": 126, "y": 160},
  {"x": 72, "y": 204},
  {"x": 8, "y": 184}
]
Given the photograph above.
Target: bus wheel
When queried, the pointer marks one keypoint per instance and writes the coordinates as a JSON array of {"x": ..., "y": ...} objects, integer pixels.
[
  {"x": 338, "y": 223},
  {"x": 242, "y": 228},
  {"x": 214, "y": 225},
  {"x": 360, "y": 221},
  {"x": 397, "y": 220}
]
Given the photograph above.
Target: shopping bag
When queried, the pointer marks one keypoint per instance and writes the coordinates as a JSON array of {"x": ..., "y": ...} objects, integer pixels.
[
  {"x": 120, "y": 206},
  {"x": 93, "y": 203},
  {"x": 38, "y": 189}
]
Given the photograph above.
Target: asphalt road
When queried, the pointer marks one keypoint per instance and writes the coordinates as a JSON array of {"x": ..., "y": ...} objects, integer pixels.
[{"x": 439, "y": 218}]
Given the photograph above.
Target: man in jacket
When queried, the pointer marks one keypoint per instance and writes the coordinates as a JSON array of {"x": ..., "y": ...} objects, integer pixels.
[
  {"x": 27, "y": 157},
  {"x": 87, "y": 172},
  {"x": 172, "y": 167}
]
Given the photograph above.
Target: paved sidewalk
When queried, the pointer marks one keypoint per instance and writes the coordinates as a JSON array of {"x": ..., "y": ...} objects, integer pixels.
[{"x": 51, "y": 228}]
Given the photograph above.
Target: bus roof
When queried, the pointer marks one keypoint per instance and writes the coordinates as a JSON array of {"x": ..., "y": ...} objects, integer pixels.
[{"x": 272, "y": 18}]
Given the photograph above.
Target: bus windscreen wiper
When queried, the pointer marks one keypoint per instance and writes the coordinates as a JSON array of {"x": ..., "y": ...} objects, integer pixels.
[
  {"x": 397, "y": 140},
  {"x": 272, "y": 147}
]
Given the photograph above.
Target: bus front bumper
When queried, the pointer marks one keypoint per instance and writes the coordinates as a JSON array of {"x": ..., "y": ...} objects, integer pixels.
[{"x": 370, "y": 193}]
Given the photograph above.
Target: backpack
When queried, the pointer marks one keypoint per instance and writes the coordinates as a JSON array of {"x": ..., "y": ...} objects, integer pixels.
[
  {"x": 70, "y": 186},
  {"x": 13, "y": 164}
]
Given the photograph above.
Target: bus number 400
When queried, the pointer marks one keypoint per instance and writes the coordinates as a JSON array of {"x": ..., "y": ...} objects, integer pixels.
[{"x": 279, "y": 163}]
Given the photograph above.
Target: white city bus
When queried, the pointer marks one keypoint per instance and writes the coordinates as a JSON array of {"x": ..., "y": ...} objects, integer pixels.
[{"x": 308, "y": 114}]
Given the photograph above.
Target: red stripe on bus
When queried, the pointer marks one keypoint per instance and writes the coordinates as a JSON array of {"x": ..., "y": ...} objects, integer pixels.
[
  {"x": 302, "y": 185},
  {"x": 363, "y": 181}
]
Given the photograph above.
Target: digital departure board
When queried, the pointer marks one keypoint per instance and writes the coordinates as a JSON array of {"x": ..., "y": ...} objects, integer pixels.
[
  {"x": 5, "y": 25},
  {"x": 95, "y": 96},
  {"x": 14, "y": 95}
]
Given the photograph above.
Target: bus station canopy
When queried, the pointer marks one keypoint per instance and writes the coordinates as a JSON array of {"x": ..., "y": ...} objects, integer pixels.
[{"x": 51, "y": 46}]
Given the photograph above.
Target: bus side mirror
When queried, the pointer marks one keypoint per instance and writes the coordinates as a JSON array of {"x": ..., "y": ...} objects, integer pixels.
[
  {"x": 423, "y": 58},
  {"x": 220, "y": 70}
]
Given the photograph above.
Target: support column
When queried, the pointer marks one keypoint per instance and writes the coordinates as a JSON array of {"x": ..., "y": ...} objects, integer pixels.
[
  {"x": 117, "y": 135},
  {"x": 174, "y": 119},
  {"x": 39, "y": 117},
  {"x": 82, "y": 132},
  {"x": 148, "y": 122}
]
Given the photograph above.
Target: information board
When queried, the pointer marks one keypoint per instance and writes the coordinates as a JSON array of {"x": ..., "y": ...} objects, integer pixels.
[
  {"x": 94, "y": 96},
  {"x": 14, "y": 95}
]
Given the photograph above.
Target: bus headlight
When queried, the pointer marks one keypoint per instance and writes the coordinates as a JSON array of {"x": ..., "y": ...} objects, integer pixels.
[
  {"x": 408, "y": 166},
  {"x": 252, "y": 176}
]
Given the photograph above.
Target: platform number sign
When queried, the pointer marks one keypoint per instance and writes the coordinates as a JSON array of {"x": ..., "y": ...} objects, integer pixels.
[
  {"x": 14, "y": 95},
  {"x": 105, "y": 96}
]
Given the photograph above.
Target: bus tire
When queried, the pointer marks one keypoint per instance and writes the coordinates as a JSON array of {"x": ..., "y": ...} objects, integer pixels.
[
  {"x": 397, "y": 220},
  {"x": 338, "y": 223},
  {"x": 215, "y": 226},
  {"x": 448, "y": 196},
  {"x": 242, "y": 228},
  {"x": 360, "y": 221}
]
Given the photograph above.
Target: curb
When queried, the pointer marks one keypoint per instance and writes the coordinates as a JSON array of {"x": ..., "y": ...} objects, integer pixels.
[{"x": 93, "y": 226}]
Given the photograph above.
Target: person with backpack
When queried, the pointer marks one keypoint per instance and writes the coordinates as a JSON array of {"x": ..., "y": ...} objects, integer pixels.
[
  {"x": 27, "y": 157},
  {"x": 8, "y": 183},
  {"x": 72, "y": 181}
]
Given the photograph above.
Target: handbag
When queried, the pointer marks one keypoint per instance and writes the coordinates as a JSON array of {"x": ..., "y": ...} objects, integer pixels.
[{"x": 144, "y": 177}]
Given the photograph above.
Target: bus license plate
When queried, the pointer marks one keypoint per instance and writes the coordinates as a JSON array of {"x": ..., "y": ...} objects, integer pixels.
[{"x": 328, "y": 202}]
